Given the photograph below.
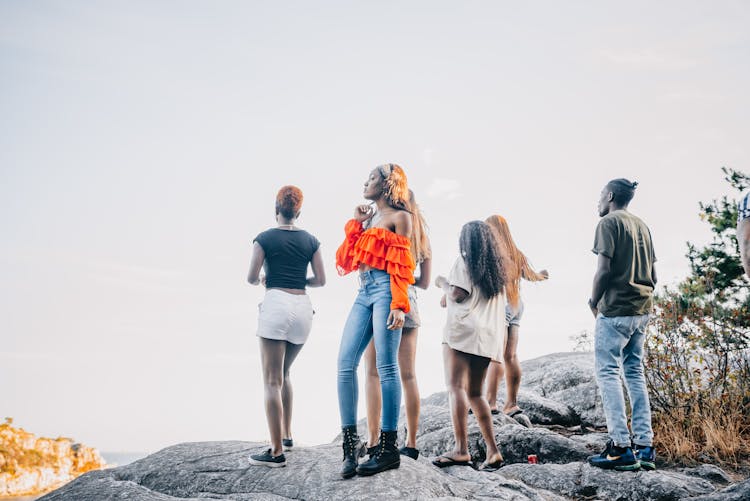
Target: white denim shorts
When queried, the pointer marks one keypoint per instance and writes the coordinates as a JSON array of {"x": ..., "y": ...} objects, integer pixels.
[{"x": 285, "y": 317}]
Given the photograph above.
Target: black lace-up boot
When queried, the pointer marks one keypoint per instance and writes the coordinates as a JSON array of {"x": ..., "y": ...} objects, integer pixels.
[
  {"x": 386, "y": 457},
  {"x": 353, "y": 450}
]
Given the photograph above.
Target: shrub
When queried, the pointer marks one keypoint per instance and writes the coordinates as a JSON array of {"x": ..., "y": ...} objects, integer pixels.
[{"x": 697, "y": 356}]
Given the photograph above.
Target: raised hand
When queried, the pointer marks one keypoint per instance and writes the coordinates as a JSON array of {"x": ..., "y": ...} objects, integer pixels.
[
  {"x": 441, "y": 282},
  {"x": 363, "y": 212}
]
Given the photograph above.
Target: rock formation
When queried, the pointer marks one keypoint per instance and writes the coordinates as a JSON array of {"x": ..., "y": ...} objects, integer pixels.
[
  {"x": 559, "y": 395},
  {"x": 30, "y": 465}
]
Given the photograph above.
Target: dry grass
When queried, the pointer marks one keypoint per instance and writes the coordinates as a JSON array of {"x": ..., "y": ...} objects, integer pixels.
[{"x": 721, "y": 437}]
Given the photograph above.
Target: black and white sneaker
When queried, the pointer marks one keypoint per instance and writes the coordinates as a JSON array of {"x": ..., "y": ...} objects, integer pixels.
[
  {"x": 266, "y": 459},
  {"x": 287, "y": 444}
]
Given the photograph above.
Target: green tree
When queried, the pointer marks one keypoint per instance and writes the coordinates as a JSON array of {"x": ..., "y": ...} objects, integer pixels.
[
  {"x": 716, "y": 270},
  {"x": 697, "y": 359}
]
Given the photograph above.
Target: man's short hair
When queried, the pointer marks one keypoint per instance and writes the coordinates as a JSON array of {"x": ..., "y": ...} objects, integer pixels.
[{"x": 622, "y": 190}]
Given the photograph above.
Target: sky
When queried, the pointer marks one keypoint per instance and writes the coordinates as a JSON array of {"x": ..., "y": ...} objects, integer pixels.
[{"x": 142, "y": 145}]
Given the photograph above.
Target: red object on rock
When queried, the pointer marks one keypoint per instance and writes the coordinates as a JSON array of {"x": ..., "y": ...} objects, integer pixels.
[{"x": 533, "y": 459}]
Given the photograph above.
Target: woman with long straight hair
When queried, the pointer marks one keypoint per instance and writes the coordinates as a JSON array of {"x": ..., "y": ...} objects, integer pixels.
[
  {"x": 407, "y": 350},
  {"x": 286, "y": 313},
  {"x": 473, "y": 335},
  {"x": 382, "y": 256},
  {"x": 516, "y": 267}
]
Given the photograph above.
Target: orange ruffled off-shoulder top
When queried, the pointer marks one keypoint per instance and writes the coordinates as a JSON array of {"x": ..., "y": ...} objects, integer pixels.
[{"x": 382, "y": 249}]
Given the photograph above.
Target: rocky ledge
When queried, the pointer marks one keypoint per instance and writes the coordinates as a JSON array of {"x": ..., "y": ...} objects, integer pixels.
[
  {"x": 559, "y": 395},
  {"x": 31, "y": 464}
]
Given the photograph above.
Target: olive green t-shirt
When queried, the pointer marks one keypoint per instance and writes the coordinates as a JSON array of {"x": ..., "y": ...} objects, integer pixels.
[{"x": 626, "y": 240}]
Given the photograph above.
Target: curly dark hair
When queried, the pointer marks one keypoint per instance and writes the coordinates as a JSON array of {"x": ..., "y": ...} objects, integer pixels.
[
  {"x": 480, "y": 252},
  {"x": 289, "y": 201}
]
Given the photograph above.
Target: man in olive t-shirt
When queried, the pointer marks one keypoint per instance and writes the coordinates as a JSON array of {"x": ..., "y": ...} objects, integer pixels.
[{"x": 621, "y": 300}]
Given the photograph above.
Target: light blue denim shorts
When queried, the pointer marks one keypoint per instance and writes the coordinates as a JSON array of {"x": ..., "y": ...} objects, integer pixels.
[
  {"x": 412, "y": 320},
  {"x": 513, "y": 315}
]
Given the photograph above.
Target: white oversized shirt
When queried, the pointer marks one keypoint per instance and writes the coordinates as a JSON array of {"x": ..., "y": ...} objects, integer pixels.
[{"x": 476, "y": 325}]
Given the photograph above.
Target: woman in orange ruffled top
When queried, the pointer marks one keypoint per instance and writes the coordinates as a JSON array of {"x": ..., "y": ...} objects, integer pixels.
[
  {"x": 407, "y": 350},
  {"x": 382, "y": 255}
]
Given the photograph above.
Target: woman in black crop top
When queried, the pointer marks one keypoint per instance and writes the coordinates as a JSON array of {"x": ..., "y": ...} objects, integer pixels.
[{"x": 285, "y": 317}]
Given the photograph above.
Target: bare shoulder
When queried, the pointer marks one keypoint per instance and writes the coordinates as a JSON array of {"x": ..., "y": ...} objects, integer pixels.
[
  {"x": 398, "y": 221},
  {"x": 396, "y": 218},
  {"x": 402, "y": 217}
]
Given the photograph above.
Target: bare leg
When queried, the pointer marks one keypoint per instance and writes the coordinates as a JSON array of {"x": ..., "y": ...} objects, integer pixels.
[
  {"x": 272, "y": 353},
  {"x": 495, "y": 374},
  {"x": 292, "y": 350},
  {"x": 456, "y": 378},
  {"x": 373, "y": 396},
  {"x": 407, "y": 353},
  {"x": 477, "y": 368},
  {"x": 512, "y": 371}
]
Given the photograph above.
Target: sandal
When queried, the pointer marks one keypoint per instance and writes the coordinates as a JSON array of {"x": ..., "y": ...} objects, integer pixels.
[
  {"x": 409, "y": 452},
  {"x": 520, "y": 418},
  {"x": 449, "y": 461},
  {"x": 494, "y": 412},
  {"x": 494, "y": 466}
]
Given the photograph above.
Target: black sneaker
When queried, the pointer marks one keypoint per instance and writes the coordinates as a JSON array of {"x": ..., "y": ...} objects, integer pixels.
[
  {"x": 266, "y": 459},
  {"x": 287, "y": 444},
  {"x": 409, "y": 452},
  {"x": 646, "y": 455},
  {"x": 615, "y": 458}
]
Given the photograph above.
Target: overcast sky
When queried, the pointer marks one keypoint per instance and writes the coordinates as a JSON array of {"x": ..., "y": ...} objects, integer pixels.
[{"x": 142, "y": 145}]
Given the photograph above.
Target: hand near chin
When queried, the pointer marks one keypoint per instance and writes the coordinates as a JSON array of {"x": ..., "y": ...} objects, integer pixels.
[{"x": 363, "y": 212}]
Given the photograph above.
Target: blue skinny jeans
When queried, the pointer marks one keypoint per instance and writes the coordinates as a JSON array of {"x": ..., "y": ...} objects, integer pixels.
[{"x": 367, "y": 320}]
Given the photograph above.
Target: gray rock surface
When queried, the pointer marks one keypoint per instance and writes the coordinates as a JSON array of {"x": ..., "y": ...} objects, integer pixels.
[
  {"x": 515, "y": 442},
  {"x": 567, "y": 378},
  {"x": 709, "y": 472},
  {"x": 220, "y": 470},
  {"x": 579, "y": 480},
  {"x": 557, "y": 394},
  {"x": 543, "y": 410},
  {"x": 736, "y": 492}
]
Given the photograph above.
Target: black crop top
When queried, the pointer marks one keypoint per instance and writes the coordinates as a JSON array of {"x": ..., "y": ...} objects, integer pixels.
[{"x": 288, "y": 252}]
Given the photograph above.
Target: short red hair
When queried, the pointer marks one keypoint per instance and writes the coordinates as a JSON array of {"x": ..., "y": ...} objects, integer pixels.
[{"x": 289, "y": 201}]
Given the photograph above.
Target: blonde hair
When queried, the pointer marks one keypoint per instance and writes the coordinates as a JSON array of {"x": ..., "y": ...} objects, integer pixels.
[
  {"x": 420, "y": 242},
  {"x": 515, "y": 262},
  {"x": 395, "y": 186}
]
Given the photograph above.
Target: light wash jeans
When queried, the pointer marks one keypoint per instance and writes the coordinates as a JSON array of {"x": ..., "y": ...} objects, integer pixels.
[
  {"x": 618, "y": 345},
  {"x": 367, "y": 319}
]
